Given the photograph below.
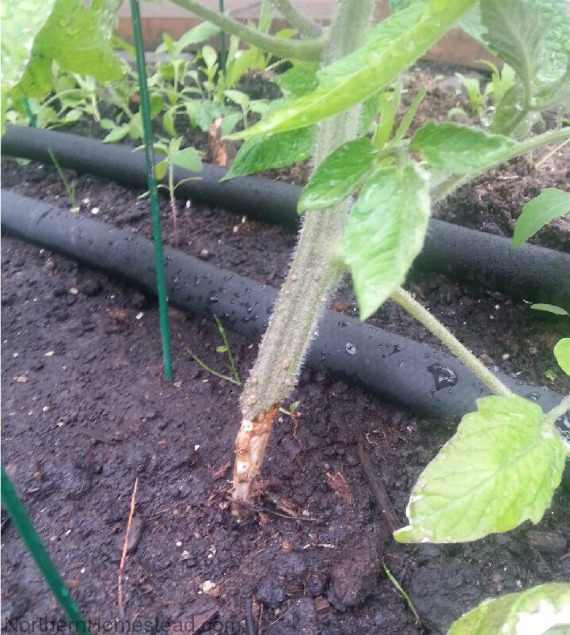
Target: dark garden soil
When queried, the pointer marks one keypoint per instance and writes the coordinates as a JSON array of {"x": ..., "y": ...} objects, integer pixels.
[{"x": 86, "y": 412}]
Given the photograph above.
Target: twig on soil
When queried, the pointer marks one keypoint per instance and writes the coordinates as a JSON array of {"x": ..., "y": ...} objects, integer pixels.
[
  {"x": 249, "y": 618},
  {"x": 378, "y": 490},
  {"x": 5, "y": 523},
  {"x": 161, "y": 512},
  {"x": 250, "y": 509},
  {"x": 125, "y": 549},
  {"x": 221, "y": 471}
]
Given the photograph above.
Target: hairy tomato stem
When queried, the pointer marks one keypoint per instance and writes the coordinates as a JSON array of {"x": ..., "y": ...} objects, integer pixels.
[
  {"x": 298, "y": 20},
  {"x": 314, "y": 273},
  {"x": 304, "y": 50}
]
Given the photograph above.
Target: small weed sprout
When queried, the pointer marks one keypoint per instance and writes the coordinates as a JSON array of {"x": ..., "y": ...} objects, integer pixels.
[
  {"x": 187, "y": 158},
  {"x": 401, "y": 591},
  {"x": 67, "y": 184},
  {"x": 223, "y": 349}
]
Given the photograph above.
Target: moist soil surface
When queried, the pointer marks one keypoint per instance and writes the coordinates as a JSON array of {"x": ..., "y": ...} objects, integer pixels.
[{"x": 86, "y": 413}]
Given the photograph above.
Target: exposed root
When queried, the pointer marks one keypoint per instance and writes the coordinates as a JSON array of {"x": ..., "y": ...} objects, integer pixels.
[{"x": 251, "y": 441}]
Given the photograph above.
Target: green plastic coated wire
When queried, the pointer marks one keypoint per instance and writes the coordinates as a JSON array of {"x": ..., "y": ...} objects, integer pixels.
[
  {"x": 23, "y": 524},
  {"x": 153, "y": 190}
]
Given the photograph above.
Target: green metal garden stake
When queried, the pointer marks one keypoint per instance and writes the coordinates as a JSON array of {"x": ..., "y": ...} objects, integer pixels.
[
  {"x": 23, "y": 524},
  {"x": 153, "y": 190}
]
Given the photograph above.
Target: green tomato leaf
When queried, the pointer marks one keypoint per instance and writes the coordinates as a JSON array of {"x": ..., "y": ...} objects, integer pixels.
[
  {"x": 20, "y": 23},
  {"x": 338, "y": 175},
  {"x": 299, "y": 80},
  {"x": 385, "y": 232},
  {"x": 264, "y": 153},
  {"x": 516, "y": 32},
  {"x": 532, "y": 36},
  {"x": 238, "y": 97},
  {"x": 499, "y": 469},
  {"x": 36, "y": 80},
  {"x": 204, "y": 31},
  {"x": 168, "y": 121},
  {"x": 78, "y": 39},
  {"x": 396, "y": 43},
  {"x": 188, "y": 159},
  {"x": 562, "y": 354},
  {"x": 209, "y": 56},
  {"x": 229, "y": 122},
  {"x": 156, "y": 104},
  {"x": 533, "y": 612},
  {"x": 550, "y": 308},
  {"x": 160, "y": 170},
  {"x": 460, "y": 149},
  {"x": 548, "y": 205},
  {"x": 117, "y": 134}
]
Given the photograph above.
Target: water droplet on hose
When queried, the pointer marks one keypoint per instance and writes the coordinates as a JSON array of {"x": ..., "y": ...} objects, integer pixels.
[
  {"x": 533, "y": 396},
  {"x": 444, "y": 377},
  {"x": 314, "y": 335},
  {"x": 351, "y": 348}
]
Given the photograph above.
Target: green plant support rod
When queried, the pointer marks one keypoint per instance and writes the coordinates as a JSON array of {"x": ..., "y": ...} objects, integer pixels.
[
  {"x": 23, "y": 524},
  {"x": 153, "y": 191},
  {"x": 32, "y": 119},
  {"x": 223, "y": 54}
]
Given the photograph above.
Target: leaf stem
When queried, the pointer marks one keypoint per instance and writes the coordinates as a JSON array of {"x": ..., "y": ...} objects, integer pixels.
[
  {"x": 453, "y": 182},
  {"x": 558, "y": 411},
  {"x": 550, "y": 154},
  {"x": 297, "y": 20},
  {"x": 306, "y": 50},
  {"x": 424, "y": 317}
]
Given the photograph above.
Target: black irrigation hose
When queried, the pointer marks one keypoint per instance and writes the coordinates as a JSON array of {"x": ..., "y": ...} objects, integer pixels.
[
  {"x": 261, "y": 199},
  {"x": 411, "y": 374},
  {"x": 531, "y": 273}
]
